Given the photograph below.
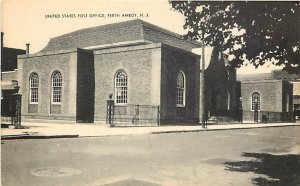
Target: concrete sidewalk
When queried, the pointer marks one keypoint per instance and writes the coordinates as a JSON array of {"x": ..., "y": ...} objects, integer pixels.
[{"x": 52, "y": 130}]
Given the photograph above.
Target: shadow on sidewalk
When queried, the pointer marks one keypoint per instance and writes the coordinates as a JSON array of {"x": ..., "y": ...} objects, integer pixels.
[{"x": 282, "y": 170}]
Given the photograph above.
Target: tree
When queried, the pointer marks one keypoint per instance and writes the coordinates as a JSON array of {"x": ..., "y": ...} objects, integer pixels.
[{"x": 253, "y": 31}]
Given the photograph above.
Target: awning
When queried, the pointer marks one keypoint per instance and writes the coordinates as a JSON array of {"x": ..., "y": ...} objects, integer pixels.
[{"x": 9, "y": 85}]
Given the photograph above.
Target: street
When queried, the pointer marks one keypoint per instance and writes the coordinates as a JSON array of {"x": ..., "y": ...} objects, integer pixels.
[{"x": 264, "y": 156}]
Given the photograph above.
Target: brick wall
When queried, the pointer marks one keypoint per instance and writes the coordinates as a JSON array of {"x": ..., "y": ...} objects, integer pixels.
[
  {"x": 273, "y": 98},
  {"x": 85, "y": 97},
  {"x": 142, "y": 65},
  {"x": 88, "y": 79},
  {"x": 287, "y": 96},
  {"x": 44, "y": 65},
  {"x": 173, "y": 61}
]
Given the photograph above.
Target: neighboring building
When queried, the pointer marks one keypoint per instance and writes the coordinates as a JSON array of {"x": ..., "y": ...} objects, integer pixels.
[
  {"x": 9, "y": 82},
  {"x": 267, "y": 97},
  {"x": 139, "y": 63},
  {"x": 272, "y": 99},
  {"x": 296, "y": 100},
  {"x": 221, "y": 89},
  {"x": 295, "y": 80}
]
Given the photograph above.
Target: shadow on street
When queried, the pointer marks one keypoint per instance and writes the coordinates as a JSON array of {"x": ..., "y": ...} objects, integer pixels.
[{"x": 284, "y": 170}]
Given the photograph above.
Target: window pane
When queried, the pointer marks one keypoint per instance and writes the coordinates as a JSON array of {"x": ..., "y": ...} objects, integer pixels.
[
  {"x": 34, "y": 85},
  {"x": 56, "y": 87},
  {"x": 255, "y": 101},
  {"x": 180, "y": 89},
  {"x": 121, "y": 87}
]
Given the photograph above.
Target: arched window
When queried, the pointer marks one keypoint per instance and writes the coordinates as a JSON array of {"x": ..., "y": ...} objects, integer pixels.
[
  {"x": 255, "y": 101},
  {"x": 56, "y": 88},
  {"x": 121, "y": 87},
  {"x": 34, "y": 88},
  {"x": 180, "y": 98}
]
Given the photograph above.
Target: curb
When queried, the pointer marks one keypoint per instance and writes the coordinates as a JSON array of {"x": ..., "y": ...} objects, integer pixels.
[
  {"x": 16, "y": 137},
  {"x": 37, "y": 137},
  {"x": 207, "y": 129}
]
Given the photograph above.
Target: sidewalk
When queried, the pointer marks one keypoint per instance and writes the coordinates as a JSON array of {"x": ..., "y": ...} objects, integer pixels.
[{"x": 52, "y": 130}]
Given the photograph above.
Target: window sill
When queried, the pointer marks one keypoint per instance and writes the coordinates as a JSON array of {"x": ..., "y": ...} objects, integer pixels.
[
  {"x": 180, "y": 106},
  {"x": 55, "y": 103},
  {"x": 120, "y": 104}
]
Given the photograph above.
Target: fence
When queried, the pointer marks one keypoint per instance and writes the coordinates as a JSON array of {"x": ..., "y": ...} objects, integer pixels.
[
  {"x": 227, "y": 116},
  {"x": 135, "y": 115},
  {"x": 6, "y": 119},
  {"x": 249, "y": 116},
  {"x": 269, "y": 117}
]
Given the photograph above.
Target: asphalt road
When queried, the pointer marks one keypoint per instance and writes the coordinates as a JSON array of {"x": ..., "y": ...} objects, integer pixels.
[{"x": 268, "y": 156}]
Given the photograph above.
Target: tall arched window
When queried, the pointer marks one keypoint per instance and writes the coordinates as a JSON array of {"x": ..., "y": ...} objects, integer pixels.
[
  {"x": 121, "y": 87},
  {"x": 34, "y": 88},
  {"x": 255, "y": 101},
  {"x": 180, "y": 98},
  {"x": 56, "y": 87}
]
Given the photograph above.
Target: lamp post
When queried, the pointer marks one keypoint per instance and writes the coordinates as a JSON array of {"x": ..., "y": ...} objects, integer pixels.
[
  {"x": 202, "y": 90},
  {"x": 241, "y": 110},
  {"x": 202, "y": 110}
]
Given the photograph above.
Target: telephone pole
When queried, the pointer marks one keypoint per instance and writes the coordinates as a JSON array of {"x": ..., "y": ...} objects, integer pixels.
[{"x": 202, "y": 88}]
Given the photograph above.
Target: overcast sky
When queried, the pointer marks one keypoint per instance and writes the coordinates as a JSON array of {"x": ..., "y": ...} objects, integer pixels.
[{"x": 29, "y": 21}]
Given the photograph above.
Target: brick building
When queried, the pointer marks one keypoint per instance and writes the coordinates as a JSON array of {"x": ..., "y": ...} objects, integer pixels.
[
  {"x": 295, "y": 80},
  {"x": 9, "y": 83},
  {"x": 296, "y": 99},
  {"x": 266, "y": 97},
  {"x": 221, "y": 89},
  {"x": 137, "y": 62}
]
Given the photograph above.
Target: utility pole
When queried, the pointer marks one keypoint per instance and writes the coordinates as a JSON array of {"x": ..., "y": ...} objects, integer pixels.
[
  {"x": 202, "y": 116},
  {"x": 202, "y": 88}
]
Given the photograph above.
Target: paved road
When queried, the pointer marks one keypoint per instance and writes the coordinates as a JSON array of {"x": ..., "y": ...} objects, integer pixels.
[{"x": 268, "y": 156}]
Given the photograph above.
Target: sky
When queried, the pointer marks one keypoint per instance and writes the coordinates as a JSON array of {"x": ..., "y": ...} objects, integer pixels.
[{"x": 36, "y": 21}]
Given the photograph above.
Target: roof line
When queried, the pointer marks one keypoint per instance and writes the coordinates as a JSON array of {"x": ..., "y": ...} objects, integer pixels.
[
  {"x": 118, "y": 44},
  {"x": 147, "y": 24},
  {"x": 163, "y": 30}
]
